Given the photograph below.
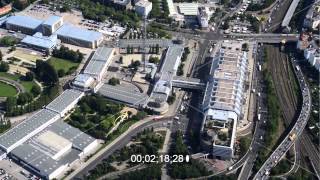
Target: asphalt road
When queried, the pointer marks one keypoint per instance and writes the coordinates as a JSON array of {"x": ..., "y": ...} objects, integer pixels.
[{"x": 260, "y": 124}]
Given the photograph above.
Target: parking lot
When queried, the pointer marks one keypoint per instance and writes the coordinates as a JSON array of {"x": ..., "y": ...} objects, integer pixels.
[{"x": 10, "y": 170}]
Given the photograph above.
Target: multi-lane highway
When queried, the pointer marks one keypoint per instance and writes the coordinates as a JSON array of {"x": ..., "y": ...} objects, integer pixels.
[
  {"x": 260, "y": 123},
  {"x": 295, "y": 131}
]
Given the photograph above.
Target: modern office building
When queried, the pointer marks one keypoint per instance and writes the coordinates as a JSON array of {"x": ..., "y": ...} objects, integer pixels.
[
  {"x": 40, "y": 42},
  {"x": 223, "y": 99},
  {"x": 25, "y": 24},
  {"x": 80, "y": 37},
  {"x": 143, "y": 7},
  {"x": 52, "y": 24}
]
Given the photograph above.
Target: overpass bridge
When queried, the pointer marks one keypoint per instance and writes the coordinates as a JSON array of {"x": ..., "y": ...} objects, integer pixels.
[
  {"x": 188, "y": 83},
  {"x": 266, "y": 38}
]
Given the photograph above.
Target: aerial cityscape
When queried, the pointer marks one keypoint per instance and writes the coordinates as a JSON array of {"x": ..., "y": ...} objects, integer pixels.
[{"x": 160, "y": 89}]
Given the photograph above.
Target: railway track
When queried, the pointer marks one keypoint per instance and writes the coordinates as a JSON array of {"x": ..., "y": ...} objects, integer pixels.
[
  {"x": 282, "y": 75},
  {"x": 279, "y": 73}
]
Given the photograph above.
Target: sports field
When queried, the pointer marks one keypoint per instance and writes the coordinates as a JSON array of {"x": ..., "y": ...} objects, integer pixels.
[{"x": 7, "y": 90}]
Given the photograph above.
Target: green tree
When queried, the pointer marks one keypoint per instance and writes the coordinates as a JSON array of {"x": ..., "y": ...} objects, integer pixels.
[
  {"x": 245, "y": 47},
  {"x": 11, "y": 102},
  {"x": 46, "y": 72},
  {"x": 4, "y": 67},
  {"x": 61, "y": 73},
  {"x": 35, "y": 90},
  {"x": 113, "y": 81},
  {"x": 121, "y": 60},
  {"x": 29, "y": 76},
  {"x": 24, "y": 98},
  {"x": 8, "y": 41},
  {"x": 154, "y": 60}
]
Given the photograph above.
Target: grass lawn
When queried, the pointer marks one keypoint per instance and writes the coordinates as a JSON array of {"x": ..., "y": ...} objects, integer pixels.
[
  {"x": 7, "y": 90},
  {"x": 26, "y": 84},
  {"x": 66, "y": 65},
  {"x": 9, "y": 76}
]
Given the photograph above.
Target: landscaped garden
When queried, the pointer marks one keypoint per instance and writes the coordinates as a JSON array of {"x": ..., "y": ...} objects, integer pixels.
[{"x": 26, "y": 84}]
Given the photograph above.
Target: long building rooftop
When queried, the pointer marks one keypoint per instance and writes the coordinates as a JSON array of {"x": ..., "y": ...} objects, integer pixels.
[
  {"x": 74, "y": 32},
  {"x": 24, "y": 21},
  {"x": 64, "y": 100},
  {"x": 123, "y": 94},
  {"x": 26, "y": 129},
  {"x": 99, "y": 60},
  {"x": 167, "y": 71}
]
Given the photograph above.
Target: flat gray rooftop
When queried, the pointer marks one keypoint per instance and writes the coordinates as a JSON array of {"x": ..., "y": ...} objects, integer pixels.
[
  {"x": 136, "y": 43},
  {"x": 79, "y": 139},
  {"x": 171, "y": 62},
  {"x": 40, "y": 161},
  {"x": 26, "y": 128},
  {"x": 39, "y": 158},
  {"x": 60, "y": 103},
  {"x": 123, "y": 94},
  {"x": 98, "y": 60},
  {"x": 102, "y": 54}
]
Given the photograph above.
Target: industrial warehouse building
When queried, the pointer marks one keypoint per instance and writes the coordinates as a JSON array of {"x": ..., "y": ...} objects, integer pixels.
[
  {"x": 44, "y": 144},
  {"x": 80, "y": 37},
  {"x": 51, "y": 151},
  {"x": 25, "y": 24},
  {"x": 223, "y": 99}
]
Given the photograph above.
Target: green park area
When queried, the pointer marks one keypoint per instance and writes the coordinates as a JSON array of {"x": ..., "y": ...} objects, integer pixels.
[
  {"x": 26, "y": 84},
  {"x": 96, "y": 116},
  {"x": 7, "y": 90},
  {"x": 64, "y": 65}
]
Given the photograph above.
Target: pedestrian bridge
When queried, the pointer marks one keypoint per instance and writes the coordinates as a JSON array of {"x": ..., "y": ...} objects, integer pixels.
[{"x": 188, "y": 83}]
